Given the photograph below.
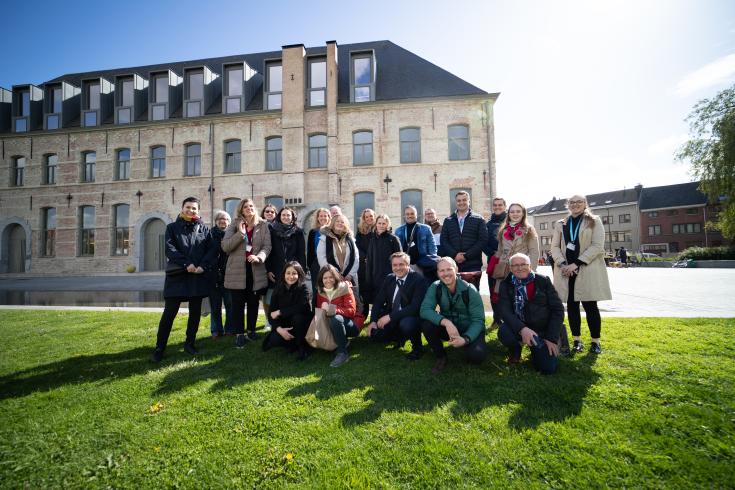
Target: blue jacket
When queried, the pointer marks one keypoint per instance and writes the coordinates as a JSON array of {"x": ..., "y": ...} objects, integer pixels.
[
  {"x": 472, "y": 240},
  {"x": 423, "y": 236},
  {"x": 492, "y": 233}
]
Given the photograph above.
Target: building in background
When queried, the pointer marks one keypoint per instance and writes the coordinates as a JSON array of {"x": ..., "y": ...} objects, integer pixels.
[{"x": 94, "y": 165}]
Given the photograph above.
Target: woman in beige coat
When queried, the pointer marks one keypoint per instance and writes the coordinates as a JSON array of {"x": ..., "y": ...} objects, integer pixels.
[
  {"x": 248, "y": 242},
  {"x": 515, "y": 235},
  {"x": 578, "y": 248}
]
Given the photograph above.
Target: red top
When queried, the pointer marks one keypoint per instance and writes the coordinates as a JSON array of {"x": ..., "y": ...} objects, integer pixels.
[
  {"x": 250, "y": 241},
  {"x": 530, "y": 290}
]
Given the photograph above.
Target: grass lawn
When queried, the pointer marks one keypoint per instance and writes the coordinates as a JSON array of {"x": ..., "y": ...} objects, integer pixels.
[{"x": 81, "y": 406}]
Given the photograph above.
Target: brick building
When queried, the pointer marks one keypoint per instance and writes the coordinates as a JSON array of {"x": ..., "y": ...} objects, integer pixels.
[{"x": 94, "y": 165}]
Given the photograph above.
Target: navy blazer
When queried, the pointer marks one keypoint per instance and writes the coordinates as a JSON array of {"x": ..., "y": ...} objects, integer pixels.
[{"x": 412, "y": 295}]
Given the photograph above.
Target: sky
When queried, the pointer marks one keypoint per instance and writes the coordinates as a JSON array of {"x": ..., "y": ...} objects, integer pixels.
[{"x": 593, "y": 94}]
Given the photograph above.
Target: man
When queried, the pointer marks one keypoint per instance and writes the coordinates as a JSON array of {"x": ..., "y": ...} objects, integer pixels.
[
  {"x": 531, "y": 314},
  {"x": 395, "y": 314},
  {"x": 463, "y": 237},
  {"x": 417, "y": 240},
  {"x": 335, "y": 211},
  {"x": 436, "y": 227},
  {"x": 460, "y": 320},
  {"x": 623, "y": 256},
  {"x": 496, "y": 219}
]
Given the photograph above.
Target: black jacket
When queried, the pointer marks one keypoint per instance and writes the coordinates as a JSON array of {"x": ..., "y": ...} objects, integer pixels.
[
  {"x": 544, "y": 312},
  {"x": 290, "y": 301},
  {"x": 217, "y": 236},
  {"x": 311, "y": 259},
  {"x": 492, "y": 233},
  {"x": 285, "y": 249},
  {"x": 188, "y": 243},
  {"x": 412, "y": 295},
  {"x": 363, "y": 240},
  {"x": 472, "y": 240},
  {"x": 378, "y": 266}
]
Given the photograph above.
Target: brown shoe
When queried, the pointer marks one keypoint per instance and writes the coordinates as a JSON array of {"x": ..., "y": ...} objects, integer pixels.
[{"x": 439, "y": 366}]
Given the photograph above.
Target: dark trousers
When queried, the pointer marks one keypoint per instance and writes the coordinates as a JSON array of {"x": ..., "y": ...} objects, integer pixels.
[
  {"x": 540, "y": 358},
  {"x": 594, "y": 321},
  {"x": 218, "y": 296},
  {"x": 299, "y": 324},
  {"x": 495, "y": 306},
  {"x": 407, "y": 328},
  {"x": 475, "y": 352},
  {"x": 170, "y": 309},
  {"x": 341, "y": 329}
]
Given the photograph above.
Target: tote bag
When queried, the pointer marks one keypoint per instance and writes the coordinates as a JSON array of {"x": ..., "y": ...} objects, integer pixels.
[{"x": 319, "y": 334}]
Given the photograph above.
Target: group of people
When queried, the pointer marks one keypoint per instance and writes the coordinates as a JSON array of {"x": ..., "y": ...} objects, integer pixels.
[{"x": 421, "y": 279}]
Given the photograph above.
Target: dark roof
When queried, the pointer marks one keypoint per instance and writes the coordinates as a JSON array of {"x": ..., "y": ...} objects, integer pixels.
[
  {"x": 672, "y": 196},
  {"x": 594, "y": 200},
  {"x": 400, "y": 73}
]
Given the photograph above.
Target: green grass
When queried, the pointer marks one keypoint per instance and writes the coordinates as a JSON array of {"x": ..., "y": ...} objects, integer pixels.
[{"x": 77, "y": 392}]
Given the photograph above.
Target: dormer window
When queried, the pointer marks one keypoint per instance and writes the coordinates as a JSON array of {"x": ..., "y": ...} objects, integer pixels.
[
  {"x": 126, "y": 97},
  {"x": 234, "y": 79},
  {"x": 274, "y": 85},
  {"x": 194, "y": 92},
  {"x": 54, "y": 95},
  {"x": 362, "y": 77},
  {"x": 91, "y": 104},
  {"x": 23, "y": 111},
  {"x": 317, "y": 82}
]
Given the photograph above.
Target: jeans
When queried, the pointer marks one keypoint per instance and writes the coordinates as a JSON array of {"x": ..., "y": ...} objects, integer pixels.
[
  {"x": 341, "y": 329},
  {"x": 408, "y": 328},
  {"x": 475, "y": 352},
  {"x": 170, "y": 309},
  {"x": 542, "y": 361},
  {"x": 216, "y": 298}
]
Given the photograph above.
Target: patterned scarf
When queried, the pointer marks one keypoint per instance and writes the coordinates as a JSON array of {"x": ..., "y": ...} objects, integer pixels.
[
  {"x": 511, "y": 231},
  {"x": 521, "y": 296}
]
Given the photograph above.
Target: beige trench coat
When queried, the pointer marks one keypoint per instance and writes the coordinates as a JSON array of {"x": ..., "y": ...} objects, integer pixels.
[
  {"x": 234, "y": 244},
  {"x": 591, "y": 283}
]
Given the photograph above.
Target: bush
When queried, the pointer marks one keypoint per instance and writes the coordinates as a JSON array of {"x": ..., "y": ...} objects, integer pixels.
[
  {"x": 707, "y": 253},
  {"x": 130, "y": 269}
]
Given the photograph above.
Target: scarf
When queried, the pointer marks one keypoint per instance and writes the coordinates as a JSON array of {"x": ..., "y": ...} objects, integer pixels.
[
  {"x": 283, "y": 230},
  {"x": 512, "y": 231},
  {"x": 329, "y": 293},
  {"x": 521, "y": 295},
  {"x": 435, "y": 227},
  {"x": 195, "y": 220}
]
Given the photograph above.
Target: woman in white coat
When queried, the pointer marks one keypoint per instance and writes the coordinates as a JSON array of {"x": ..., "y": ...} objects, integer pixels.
[{"x": 580, "y": 274}]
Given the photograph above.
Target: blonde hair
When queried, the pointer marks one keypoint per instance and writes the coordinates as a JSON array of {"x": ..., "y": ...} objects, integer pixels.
[
  {"x": 346, "y": 223},
  {"x": 316, "y": 217},
  {"x": 588, "y": 214},
  {"x": 528, "y": 230},
  {"x": 385, "y": 218},
  {"x": 362, "y": 227},
  {"x": 256, "y": 218}
]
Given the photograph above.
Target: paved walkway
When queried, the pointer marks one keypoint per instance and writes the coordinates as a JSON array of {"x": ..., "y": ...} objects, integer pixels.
[{"x": 637, "y": 292}]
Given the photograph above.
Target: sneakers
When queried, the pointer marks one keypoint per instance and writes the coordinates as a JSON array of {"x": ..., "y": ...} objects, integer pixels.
[
  {"x": 578, "y": 346},
  {"x": 339, "y": 359},
  {"x": 415, "y": 354},
  {"x": 240, "y": 340},
  {"x": 595, "y": 348},
  {"x": 157, "y": 356},
  {"x": 190, "y": 349}
]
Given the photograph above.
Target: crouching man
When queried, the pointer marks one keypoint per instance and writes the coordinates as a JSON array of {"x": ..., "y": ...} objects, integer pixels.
[
  {"x": 531, "y": 313},
  {"x": 460, "y": 320}
]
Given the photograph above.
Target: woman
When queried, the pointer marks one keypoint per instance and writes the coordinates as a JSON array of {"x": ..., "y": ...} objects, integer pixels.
[
  {"x": 287, "y": 244},
  {"x": 191, "y": 257},
  {"x": 338, "y": 248},
  {"x": 219, "y": 294},
  {"x": 322, "y": 217},
  {"x": 578, "y": 250},
  {"x": 268, "y": 213},
  {"x": 382, "y": 246},
  {"x": 248, "y": 242},
  {"x": 334, "y": 296},
  {"x": 515, "y": 235},
  {"x": 364, "y": 236},
  {"x": 290, "y": 312}
]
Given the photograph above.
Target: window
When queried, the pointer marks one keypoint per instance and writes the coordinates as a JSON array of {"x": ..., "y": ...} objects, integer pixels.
[
  {"x": 19, "y": 171},
  {"x": 50, "y": 165},
  {"x": 362, "y": 75},
  {"x": 692, "y": 211},
  {"x": 277, "y": 201},
  {"x": 318, "y": 151},
  {"x": 232, "y": 157},
  {"x": 123, "y": 164},
  {"x": 412, "y": 196},
  {"x": 48, "y": 232},
  {"x": 410, "y": 145},
  {"x": 230, "y": 205},
  {"x": 672, "y": 212},
  {"x": 362, "y": 148},
  {"x": 687, "y": 228},
  {"x": 362, "y": 201},
  {"x": 127, "y": 91},
  {"x": 25, "y": 103},
  {"x": 459, "y": 142},
  {"x": 86, "y": 231},
  {"x": 90, "y": 118},
  {"x": 317, "y": 82},
  {"x": 274, "y": 153},
  {"x": 89, "y": 161},
  {"x": 193, "y": 160},
  {"x": 194, "y": 92},
  {"x": 654, "y": 230},
  {"x": 274, "y": 85},
  {"x": 55, "y": 103},
  {"x": 158, "y": 162},
  {"x": 624, "y": 218},
  {"x": 52, "y": 121},
  {"x": 234, "y": 81},
  {"x": 453, "y": 196},
  {"x": 121, "y": 233},
  {"x": 161, "y": 91},
  {"x": 21, "y": 125},
  {"x": 93, "y": 96},
  {"x": 653, "y": 214},
  {"x": 607, "y": 220},
  {"x": 546, "y": 240},
  {"x": 543, "y": 226}
]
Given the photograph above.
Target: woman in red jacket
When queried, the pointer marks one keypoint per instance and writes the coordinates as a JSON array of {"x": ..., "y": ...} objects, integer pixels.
[{"x": 334, "y": 296}]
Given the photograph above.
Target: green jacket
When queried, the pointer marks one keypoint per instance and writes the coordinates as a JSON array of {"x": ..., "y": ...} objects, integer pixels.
[{"x": 469, "y": 320}]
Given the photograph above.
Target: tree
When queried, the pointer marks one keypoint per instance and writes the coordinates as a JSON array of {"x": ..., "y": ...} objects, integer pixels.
[{"x": 711, "y": 151}]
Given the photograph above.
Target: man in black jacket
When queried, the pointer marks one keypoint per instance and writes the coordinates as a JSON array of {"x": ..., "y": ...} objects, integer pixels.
[
  {"x": 531, "y": 314},
  {"x": 463, "y": 237},
  {"x": 395, "y": 314},
  {"x": 496, "y": 219}
]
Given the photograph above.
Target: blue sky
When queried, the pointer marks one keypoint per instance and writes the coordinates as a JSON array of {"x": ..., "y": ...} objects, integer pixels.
[{"x": 593, "y": 93}]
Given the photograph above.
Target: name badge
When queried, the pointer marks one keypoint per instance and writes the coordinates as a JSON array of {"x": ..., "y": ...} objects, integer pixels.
[
  {"x": 412, "y": 244},
  {"x": 571, "y": 246},
  {"x": 249, "y": 248}
]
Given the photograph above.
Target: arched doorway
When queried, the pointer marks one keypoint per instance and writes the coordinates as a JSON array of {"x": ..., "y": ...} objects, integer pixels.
[
  {"x": 154, "y": 245},
  {"x": 16, "y": 249}
]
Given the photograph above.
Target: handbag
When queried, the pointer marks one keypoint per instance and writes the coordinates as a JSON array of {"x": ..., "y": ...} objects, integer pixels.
[{"x": 319, "y": 334}]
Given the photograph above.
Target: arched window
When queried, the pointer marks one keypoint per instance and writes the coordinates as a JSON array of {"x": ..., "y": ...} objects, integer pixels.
[
  {"x": 453, "y": 196},
  {"x": 274, "y": 153},
  {"x": 86, "y": 231},
  {"x": 48, "y": 232},
  {"x": 410, "y": 145},
  {"x": 362, "y": 201},
  {"x": 318, "y": 151},
  {"x": 414, "y": 198},
  {"x": 19, "y": 171},
  {"x": 277, "y": 201},
  {"x": 230, "y": 205},
  {"x": 362, "y": 148},
  {"x": 121, "y": 230}
]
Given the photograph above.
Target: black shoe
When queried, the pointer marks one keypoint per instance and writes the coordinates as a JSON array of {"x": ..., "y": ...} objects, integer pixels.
[
  {"x": 415, "y": 354},
  {"x": 266, "y": 346},
  {"x": 303, "y": 354},
  {"x": 157, "y": 356},
  {"x": 252, "y": 335},
  {"x": 595, "y": 348},
  {"x": 240, "y": 340},
  {"x": 189, "y": 348},
  {"x": 578, "y": 346}
]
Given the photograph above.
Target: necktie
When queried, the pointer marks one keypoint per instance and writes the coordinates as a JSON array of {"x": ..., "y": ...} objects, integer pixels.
[{"x": 397, "y": 297}]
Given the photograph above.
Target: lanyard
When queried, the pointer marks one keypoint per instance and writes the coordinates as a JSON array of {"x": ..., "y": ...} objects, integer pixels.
[{"x": 574, "y": 233}]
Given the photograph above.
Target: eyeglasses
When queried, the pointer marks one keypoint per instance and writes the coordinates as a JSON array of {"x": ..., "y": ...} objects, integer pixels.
[
  {"x": 270, "y": 211},
  {"x": 519, "y": 266},
  {"x": 573, "y": 203}
]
